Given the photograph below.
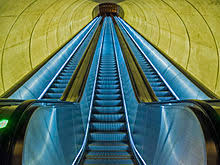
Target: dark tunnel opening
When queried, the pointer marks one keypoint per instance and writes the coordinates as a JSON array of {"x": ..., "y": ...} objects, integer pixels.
[{"x": 107, "y": 9}]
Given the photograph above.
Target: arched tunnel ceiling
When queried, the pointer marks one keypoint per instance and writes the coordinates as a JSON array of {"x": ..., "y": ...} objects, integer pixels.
[{"x": 186, "y": 30}]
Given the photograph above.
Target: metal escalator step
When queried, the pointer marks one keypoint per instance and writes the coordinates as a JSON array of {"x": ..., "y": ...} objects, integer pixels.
[
  {"x": 108, "y": 117},
  {"x": 57, "y": 85},
  {"x": 72, "y": 62},
  {"x": 108, "y": 110},
  {"x": 108, "y": 146},
  {"x": 69, "y": 67},
  {"x": 66, "y": 74},
  {"x": 151, "y": 75},
  {"x": 163, "y": 93},
  {"x": 108, "y": 103},
  {"x": 153, "y": 84},
  {"x": 108, "y": 136},
  {"x": 68, "y": 70},
  {"x": 55, "y": 90},
  {"x": 108, "y": 154},
  {"x": 108, "y": 86},
  {"x": 154, "y": 79},
  {"x": 108, "y": 74},
  {"x": 61, "y": 77},
  {"x": 108, "y": 91},
  {"x": 148, "y": 70},
  {"x": 108, "y": 71},
  {"x": 61, "y": 81},
  {"x": 53, "y": 95},
  {"x": 107, "y": 97},
  {"x": 111, "y": 161},
  {"x": 107, "y": 64},
  {"x": 107, "y": 67},
  {"x": 107, "y": 126},
  {"x": 108, "y": 78},
  {"x": 108, "y": 82},
  {"x": 160, "y": 88}
]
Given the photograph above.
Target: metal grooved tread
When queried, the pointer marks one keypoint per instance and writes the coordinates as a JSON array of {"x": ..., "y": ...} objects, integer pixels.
[
  {"x": 159, "y": 87},
  {"x": 108, "y": 139}
]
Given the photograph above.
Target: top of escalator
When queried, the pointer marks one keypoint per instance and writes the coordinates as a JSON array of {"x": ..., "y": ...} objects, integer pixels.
[{"x": 108, "y": 9}]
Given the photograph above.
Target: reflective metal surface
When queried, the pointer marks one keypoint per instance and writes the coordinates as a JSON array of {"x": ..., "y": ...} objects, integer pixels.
[
  {"x": 169, "y": 134},
  {"x": 54, "y": 135}
]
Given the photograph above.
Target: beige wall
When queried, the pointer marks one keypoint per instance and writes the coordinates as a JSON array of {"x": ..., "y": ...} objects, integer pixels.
[{"x": 186, "y": 30}]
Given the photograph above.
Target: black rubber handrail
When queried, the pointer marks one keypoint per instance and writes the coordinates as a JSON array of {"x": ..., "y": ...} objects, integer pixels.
[{"x": 9, "y": 134}]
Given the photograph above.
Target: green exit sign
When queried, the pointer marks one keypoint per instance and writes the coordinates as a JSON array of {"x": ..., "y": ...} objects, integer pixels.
[{"x": 3, "y": 123}]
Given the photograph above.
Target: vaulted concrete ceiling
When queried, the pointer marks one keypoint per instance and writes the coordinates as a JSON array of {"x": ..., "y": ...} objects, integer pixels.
[{"x": 185, "y": 30}]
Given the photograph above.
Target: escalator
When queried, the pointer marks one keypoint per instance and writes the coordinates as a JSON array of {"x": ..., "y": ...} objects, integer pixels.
[
  {"x": 108, "y": 125},
  {"x": 159, "y": 87},
  {"x": 57, "y": 87},
  {"x": 108, "y": 139}
]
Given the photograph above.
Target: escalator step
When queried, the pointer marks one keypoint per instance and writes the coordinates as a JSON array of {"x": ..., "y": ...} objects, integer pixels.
[
  {"x": 160, "y": 88},
  {"x": 108, "y": 136},
  {"x": 68, "y": 70},
  {"x": 108, "y": 110},
  {"x": 108, "y": 154},
  {"x": 107, "y": 82},
  {"x": 107, "y": 78},
  {"x": 154, "y": 79},
  {"x": 154, "y": 84},
  {"x": 111, "y": 161},
  {"x": 108, "y": 91},
  {"x": 108, "y": 86},
  {"x": 107, "y": 97},
  {"x": 56, "y": 90},
  {"x": 53, "y": 95},
  {"x": 163, "y": 93},
  {"x": 107, "y": 103},
  {"x": 108, "y": 74},
  {"x": 108, "y": 146},
  {"x": 150, "y": 75},
  {"x": 108, "y": 117},
  {"x": 102, "y": 126},
  {"x": 63, "y": 77},
  {"x": 61, "y": 81},
  {"x": 66, "y": 74},
  {"x": 108, "y": 71},
  {"x": 57, "y": 85}
]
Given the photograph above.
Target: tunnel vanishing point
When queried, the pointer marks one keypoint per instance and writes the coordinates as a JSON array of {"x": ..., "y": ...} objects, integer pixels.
[{"x": 109, "y": 82}]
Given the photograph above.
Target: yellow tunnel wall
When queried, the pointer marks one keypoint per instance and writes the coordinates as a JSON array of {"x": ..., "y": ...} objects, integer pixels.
[{"x": 186, "y": 30}]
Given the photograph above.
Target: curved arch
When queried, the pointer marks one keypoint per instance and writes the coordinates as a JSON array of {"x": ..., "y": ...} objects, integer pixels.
[{"x": 3, "y": 50}]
